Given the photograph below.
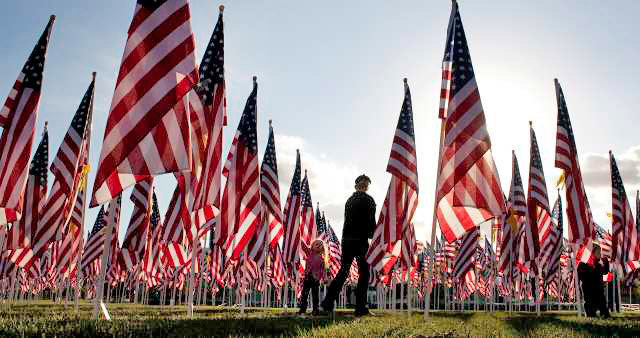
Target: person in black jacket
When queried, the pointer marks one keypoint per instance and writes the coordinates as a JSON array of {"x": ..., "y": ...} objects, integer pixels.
[
  {"x": 359, "y": 224},
  {"x": 592, "y": 285}
]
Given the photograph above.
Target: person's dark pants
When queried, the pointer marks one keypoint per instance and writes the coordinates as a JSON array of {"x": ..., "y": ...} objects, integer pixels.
[
  {"x": 600, "y": 303},
  {"x": 594, "y": 300},
  {"x": 310, "y": 284},
  {"x": 351, "y": 250},
  {"x": 589, "y": 305}
]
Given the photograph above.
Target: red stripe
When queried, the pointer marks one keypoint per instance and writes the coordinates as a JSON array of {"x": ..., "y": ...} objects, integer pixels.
[{"x": 19, "y": 170}]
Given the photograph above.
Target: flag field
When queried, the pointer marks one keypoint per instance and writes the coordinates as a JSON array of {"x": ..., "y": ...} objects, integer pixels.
[
  {"x": 46, "y": 318},
  {"x": 205, "y": 228}
]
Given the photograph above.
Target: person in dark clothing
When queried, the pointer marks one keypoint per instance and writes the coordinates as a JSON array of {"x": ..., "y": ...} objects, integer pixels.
[
  {"x": 359, "y": 225},
  {"x": 590, "y": 277}
]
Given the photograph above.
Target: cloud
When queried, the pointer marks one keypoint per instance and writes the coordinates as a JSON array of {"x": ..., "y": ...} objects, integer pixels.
[
  {"x": 330, "y": 182},
  {"x": 596, "y": 172}
]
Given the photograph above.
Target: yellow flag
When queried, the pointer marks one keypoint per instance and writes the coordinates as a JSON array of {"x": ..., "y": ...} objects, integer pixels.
[
  {"x": 511, "y": 220},
  {"x": 83, "y": 177},
  {"x": 560, "y": 181}
]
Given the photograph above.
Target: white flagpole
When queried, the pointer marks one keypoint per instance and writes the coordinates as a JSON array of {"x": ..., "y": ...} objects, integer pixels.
[
  {"x": 619, "y": 294},
  {"x": 538, "y": 290},
  {"x": 578, "y": 294},
  {"x": 427, "y": 297},
  {"x": 106, "y": 252},
  {"x": 243, "y": 295}
]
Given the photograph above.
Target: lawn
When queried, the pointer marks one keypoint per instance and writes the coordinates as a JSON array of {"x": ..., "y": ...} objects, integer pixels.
[{"x": 46, "y": 319}]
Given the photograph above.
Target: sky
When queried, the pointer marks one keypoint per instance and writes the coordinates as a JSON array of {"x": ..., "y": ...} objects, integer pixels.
[{"x": 330, "y": 76}]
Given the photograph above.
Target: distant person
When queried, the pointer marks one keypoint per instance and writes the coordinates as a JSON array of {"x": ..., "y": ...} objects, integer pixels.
[
  {"x": 590, "y": 277},
  {"x": 314, "y": 272},
  {"x": 359, "y": 224}
]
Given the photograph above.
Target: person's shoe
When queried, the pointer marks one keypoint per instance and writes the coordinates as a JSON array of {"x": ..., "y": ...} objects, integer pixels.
[
  {"x": 300, "y": 314},
  {"x": 315, "y": 312},
  {"x": 363, "y": 312}
]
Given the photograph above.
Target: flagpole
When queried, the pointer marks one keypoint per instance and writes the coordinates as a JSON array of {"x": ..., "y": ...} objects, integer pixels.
[
  {"x": 619, "y": 307},
  {"x": 106, "y": 248},
  {"x": 578, "y": 294},
  {"x": 538, "y": 290},
  {"x": 193, "y": 267},
  {"x": 427, "y": 298}
]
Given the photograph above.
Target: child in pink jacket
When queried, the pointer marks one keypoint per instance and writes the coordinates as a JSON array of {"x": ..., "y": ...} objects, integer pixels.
[{"x": 313, "y": 274}]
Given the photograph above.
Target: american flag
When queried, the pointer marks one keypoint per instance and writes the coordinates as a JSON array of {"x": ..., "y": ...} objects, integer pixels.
[
  {"x": 517, "y": 208},
  {"x": 441, "y": 259},
  {"x": 151, "y": 264},
  {"x": 69, "y": 252},
  {"x": 468, "y": 188},
  {"x": 578, "y": 212},
  {"x": 538, "y": 223},
  {"x": 402, "y": 196},
  {"x": 507, "y": 243},
  {"x": 135, "y": 238},
  {"x": 147, "y": 131},
  {"x": 277, "y": 269},
  {"x": 216, "y": 265},
  {"x": 552, "y": 289},
  {"x": 259, "y": 244},
  {"x": 240, "y": 214},
  {"x": 466, "y": 255},
  {"x": 381, "y": 257},
  {"x": 409, "y": 248},
  {"x": 67, "y": 168},
  {"x": 604, "y": 239},
  {"x": 335, "y": 252},
  {"x": 113, "y": 226},
  {"x": 623, "y": 225},
  {"x": 321, "y": 225},
  {"x": 18, "y": 118},
  {"x": 172, "y": 230},
  {"x": 270, "y": 191},
  {"x": 470, "y": 284},
  {"x": 21, "y": 233},
  {"x": 307, "y": 222},
  {"x": 210, "y": 102},
  {"x": 633, "y": 265},
  {"x": 257, "y": 247},
  {"x": 551, "y": 252},
  {"x": 517, "y": 200},
  {"x": 489, "y": 250},
  {"x": 95, "y": 240},
  {"x": 292, "y": 217}
]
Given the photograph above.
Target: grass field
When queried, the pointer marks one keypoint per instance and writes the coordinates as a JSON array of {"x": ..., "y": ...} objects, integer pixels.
[{"x": 47, "y": 319}]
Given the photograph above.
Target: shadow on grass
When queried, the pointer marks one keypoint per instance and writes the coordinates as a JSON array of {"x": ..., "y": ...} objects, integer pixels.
[
  {"x": 463, "y": 316},
  {"x": 622, "y": 326},
  {"x": 214, "y": 327}
]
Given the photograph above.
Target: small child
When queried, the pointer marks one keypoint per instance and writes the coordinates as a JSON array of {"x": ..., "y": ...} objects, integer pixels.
[{"x": 313, "y": 274}]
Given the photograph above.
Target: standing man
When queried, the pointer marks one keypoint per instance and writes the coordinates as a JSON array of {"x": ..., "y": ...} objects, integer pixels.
[
  {"x": 359, "y": 225},
  {"x": 592, "y": 285}
]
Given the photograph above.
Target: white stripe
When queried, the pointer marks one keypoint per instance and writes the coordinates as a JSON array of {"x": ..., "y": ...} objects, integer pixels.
[
  {"x": 150, "y": 60},
  {"x": 464, "y": 121},
  {"x": 462, "y": 153},
  {"x": 144, "y": 103},
  {"x": 176, "y": 141},
  {"x": 157, "y": 18},
  {"x": 22, "y": 136}
]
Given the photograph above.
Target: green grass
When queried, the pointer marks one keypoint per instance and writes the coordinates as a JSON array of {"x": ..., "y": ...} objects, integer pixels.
[{"x": 47, "y": 319}]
